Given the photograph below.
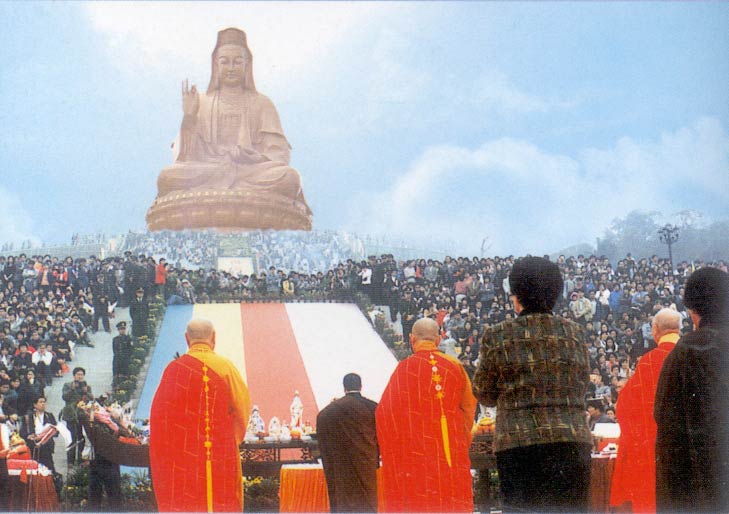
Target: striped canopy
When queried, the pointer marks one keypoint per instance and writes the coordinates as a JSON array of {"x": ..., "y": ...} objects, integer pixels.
[{"x": 282, "y": 348}]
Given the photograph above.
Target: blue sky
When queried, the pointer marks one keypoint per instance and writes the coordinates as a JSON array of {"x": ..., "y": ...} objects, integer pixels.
[{"x": 530, "y": 124}]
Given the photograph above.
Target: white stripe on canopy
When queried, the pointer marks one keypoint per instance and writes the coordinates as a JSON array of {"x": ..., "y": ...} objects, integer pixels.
[{"x": 336, "y": 339}]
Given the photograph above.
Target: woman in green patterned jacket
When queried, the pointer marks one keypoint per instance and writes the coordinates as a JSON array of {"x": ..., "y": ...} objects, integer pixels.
[{"x": 535, "y": 370}]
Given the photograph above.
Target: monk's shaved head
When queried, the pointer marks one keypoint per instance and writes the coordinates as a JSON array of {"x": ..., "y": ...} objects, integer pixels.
[
  {"x": 200, "y": 331},
  {"x": 426, "y": 329},
  {"x": 667, "y": 320}
]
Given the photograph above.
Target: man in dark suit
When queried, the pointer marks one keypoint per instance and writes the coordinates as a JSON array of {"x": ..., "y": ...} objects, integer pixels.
[
  {"x": 32, "y": 430},
  {"x": 139, "y": 312},
  {"x": 409, "y": 309},
  {"x": 122, "y": 346},
  {"x": 348, "y": 444},
  {"x": 101, "y": 304}
]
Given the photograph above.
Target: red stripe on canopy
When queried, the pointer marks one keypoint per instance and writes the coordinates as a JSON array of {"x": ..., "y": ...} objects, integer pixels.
[{"x": 274, "y": 365}]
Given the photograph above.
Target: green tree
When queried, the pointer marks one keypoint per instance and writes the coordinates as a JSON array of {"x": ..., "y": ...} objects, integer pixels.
[{"x": 636, "y": 233}]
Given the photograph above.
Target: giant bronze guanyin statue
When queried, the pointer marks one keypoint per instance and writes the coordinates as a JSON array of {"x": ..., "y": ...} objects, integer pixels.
[{"x": 231, "y": 166}]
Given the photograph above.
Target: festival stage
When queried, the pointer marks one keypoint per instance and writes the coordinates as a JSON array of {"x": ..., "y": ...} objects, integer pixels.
[{"x": 282, "y": 348}]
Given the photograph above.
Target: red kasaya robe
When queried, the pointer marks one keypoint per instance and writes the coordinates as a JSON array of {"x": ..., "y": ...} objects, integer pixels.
[
  {"x": 178, "y": 455},
  {"x": 634, "y": 478},
  {"x": 416, "y": 474}
]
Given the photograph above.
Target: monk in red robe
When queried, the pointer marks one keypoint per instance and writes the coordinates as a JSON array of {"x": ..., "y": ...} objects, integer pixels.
[
  {"x": 424, "y": 422},
  {"x": 634, "y": 479},
  {"x": 198, "y": 420}
]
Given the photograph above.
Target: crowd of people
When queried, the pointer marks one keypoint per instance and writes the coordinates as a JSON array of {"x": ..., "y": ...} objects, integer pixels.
[
  {"x": 46, "y": 311},
  {"x": 303, "y": 252},
  {"x": 533, "y": 367},
  {"x": 48, "y": 306},
  {"x": 615, "y": 304},
  {"x": 184, "y": 249}
]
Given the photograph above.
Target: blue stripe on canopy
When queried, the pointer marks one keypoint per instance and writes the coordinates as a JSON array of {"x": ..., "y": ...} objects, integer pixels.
[{"x": 171, "y": 340}]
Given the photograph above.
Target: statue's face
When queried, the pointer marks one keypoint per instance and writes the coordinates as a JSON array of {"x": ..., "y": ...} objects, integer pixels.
[{"x": 231, "y": 62}]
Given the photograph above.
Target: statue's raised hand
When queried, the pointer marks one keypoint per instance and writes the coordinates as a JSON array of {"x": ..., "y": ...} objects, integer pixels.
[{"x": 190, "y": 99}]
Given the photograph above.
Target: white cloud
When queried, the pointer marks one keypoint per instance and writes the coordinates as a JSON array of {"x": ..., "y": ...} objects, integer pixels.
[
  {"x": 318, "y": 51},
  {"x": 495, "y": 91},
  {"x": 177, "y": 38},
  {"x": 16, "y": 225},
  {"x": 528, "y": 200},
  {"x": 696, "y": 156},
  {"x": 392, "y": 83}
]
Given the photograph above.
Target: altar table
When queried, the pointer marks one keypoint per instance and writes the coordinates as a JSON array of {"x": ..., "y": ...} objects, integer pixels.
[{"x": 304, "y": 489}]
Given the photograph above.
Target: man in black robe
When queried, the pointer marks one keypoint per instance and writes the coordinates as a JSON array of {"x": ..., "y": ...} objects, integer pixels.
[
  {"x": 348, "y": 444},
  {"x": 692, "y": 446}
]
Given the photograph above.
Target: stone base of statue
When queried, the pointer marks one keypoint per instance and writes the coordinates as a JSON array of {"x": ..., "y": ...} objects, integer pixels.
[
  {"x": 227, "y": 209},
  {"x": 195, "y": 195}
]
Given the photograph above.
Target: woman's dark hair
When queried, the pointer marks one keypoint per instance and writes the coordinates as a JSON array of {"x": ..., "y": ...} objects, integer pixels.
[
  {"x": 707, "y": 294},
  {"x": 536, "y": 282}
]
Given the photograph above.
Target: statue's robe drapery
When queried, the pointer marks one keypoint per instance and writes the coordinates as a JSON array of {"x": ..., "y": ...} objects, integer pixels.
[
  {"x": 417, "y": 476},
  {"x": 348, "y": 445},
  {"x": 203, "y": 159},
  {"x": 177, "y": 440},
  {"x": 634, "y": 477}
]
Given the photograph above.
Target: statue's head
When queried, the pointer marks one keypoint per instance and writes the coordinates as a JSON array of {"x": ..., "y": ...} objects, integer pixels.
[{"x": 232, "y": 61}]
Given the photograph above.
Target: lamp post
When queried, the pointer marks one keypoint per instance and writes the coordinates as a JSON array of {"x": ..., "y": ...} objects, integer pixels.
[{"x": 669, "y": 235}]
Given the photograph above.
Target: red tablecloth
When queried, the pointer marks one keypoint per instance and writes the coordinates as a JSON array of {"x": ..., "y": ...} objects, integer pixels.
[
  {"x": 43, "y": 497},
  {"x": 602, "y": 474}
]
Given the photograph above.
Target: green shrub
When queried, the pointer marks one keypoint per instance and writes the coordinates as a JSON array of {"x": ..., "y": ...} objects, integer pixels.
[
  {"x": 137, "y": 493},
  {"x": 261, "y": 495},
  {"x": 75, "y": 493}
]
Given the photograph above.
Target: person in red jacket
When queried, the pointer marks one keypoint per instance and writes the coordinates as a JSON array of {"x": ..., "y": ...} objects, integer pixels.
[{"x": 160, "y": 277}]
